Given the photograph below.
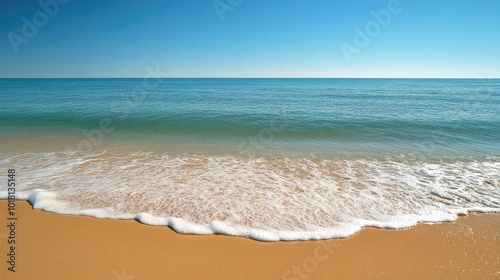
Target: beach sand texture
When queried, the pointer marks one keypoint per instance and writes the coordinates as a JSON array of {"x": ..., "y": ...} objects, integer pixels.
[{"x": 54, "y": 246}]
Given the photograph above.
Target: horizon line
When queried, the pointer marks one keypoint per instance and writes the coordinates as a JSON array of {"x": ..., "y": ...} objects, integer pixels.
[{"x": 442, "y": 78}]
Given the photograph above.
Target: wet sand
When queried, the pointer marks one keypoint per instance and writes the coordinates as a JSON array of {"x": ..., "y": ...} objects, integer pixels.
[{"x": 54, "y": 246}]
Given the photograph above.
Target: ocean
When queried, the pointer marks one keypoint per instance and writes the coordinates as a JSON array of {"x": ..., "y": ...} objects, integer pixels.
[{"x": 268, "y": 159}]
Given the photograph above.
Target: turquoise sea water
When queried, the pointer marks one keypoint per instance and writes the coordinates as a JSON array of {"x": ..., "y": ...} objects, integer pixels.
[
  {"x": 389, "y": 116},
  {"x": 303, "y": 156}
]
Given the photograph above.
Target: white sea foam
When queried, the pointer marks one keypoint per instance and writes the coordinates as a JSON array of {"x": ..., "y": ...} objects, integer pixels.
[{"x": 261, "y": 198}]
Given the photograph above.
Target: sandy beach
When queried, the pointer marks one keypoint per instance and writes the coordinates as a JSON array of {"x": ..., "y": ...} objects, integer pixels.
[
  {"x": 54, "y": 246},
  {"x": 252, "y": 140}
]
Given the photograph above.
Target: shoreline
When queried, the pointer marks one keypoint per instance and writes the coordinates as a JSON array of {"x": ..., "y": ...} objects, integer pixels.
[{"x": 55, "y": 246}]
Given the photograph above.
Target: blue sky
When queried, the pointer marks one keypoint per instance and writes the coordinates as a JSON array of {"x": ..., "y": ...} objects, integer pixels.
[{"x": 256, "y": 38}]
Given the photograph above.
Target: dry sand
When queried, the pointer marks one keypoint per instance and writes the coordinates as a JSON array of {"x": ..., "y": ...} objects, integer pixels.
[{"x": 54, "y": 246}]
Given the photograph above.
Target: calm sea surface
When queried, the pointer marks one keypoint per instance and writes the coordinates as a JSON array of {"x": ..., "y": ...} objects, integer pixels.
[{"x": 269, "y": 159}]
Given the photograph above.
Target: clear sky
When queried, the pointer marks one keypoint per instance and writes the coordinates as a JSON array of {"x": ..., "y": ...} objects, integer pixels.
[{"x": 250, "y": 38}]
